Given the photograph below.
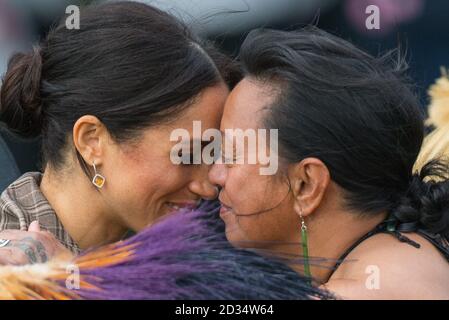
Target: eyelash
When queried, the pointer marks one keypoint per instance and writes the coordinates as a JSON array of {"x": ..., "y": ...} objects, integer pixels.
[
  {"x": 190, "y": 155},
  {"x": 223, "y": 158},
  {"x": 220, "y": 155}
]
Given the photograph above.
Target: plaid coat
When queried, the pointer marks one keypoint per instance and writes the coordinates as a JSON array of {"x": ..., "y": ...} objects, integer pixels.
[{"x": 23, "y": 202}]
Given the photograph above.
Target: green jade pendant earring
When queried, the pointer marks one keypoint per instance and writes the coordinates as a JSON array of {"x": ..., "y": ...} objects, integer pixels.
[{"x": 305, "y": 249}]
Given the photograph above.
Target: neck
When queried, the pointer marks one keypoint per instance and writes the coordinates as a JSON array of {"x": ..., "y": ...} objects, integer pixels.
[
  {"x": 334, "y": 238},
  {"x": 81, "y": 209},
  {"x": 329, "y": 236}
]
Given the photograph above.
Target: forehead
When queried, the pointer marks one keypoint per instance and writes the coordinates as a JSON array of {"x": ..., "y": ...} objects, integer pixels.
[
  {"x": 246, "y": 104},
  {"x": 207, "y": 107}
]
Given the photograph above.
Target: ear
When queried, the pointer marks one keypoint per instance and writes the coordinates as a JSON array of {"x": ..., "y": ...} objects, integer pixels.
[
  {"x": 309, "y": 181},
  {"x": 89, "y": 138}
]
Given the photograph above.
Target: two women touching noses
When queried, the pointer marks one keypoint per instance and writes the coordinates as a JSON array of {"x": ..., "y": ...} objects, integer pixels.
[{"x": 106, "y": 98}]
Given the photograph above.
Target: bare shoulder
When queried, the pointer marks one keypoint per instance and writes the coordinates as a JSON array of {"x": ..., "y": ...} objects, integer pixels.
[{"x": 382, "y": 267}]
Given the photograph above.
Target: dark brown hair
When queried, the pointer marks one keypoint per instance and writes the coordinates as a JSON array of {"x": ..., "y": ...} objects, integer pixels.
[
  {"x": 355, "y": 112},
  {"x": 129, "y": 64}
]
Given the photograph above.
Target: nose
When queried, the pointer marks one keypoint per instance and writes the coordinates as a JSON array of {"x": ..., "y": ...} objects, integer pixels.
[
  {"x": 201, "y": 185},
  {"x": 217, "y": 174}
]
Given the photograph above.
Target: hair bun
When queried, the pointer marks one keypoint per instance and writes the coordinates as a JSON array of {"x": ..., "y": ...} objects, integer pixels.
[
  {"x": 20, "y": 94},
  {"x": 427, "y": 199}
]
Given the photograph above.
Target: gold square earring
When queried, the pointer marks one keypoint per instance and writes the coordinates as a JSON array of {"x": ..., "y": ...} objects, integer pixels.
[{"x": 98, "y": 180}]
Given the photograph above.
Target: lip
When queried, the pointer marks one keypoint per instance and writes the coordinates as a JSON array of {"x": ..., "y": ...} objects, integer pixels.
[{"x": 225, "y": 209}]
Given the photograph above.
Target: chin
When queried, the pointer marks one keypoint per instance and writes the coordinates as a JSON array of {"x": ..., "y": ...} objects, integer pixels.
[{"x": 237, "y": 239}]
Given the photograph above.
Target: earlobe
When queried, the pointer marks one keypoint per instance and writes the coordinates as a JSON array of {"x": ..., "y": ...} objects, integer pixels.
[{"x": 297, "y": 207}]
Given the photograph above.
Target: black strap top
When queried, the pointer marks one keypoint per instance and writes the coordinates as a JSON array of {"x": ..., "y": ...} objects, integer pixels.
[{"x": 395, "y": 228}]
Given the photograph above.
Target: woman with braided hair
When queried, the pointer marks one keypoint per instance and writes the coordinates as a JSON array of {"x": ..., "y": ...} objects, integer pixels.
[{"x": 349, "y": 132}]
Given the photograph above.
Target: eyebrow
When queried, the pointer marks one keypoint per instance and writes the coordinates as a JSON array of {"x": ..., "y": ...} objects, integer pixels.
[{"x": 223, "y": 133}]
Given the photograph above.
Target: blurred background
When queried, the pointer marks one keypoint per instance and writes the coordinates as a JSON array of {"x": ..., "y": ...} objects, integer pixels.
[{"x": 419, "y": 26}]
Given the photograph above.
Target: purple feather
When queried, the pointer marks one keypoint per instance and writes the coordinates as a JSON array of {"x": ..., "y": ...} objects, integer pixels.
[{"x": 185, "y": 256}]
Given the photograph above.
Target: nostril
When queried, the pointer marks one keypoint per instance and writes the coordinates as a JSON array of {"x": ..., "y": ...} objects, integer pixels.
[{"x": 216, "y": 192}]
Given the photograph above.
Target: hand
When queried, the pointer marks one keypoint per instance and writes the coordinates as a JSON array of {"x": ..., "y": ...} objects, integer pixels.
[{"x": 28, "y": 247}]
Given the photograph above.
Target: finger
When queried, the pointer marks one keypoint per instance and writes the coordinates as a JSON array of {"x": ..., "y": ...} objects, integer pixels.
[
  {"x": 5, "y": 261},
  {"x": 14, "y": 234},
  {"x": 5, "y": 255},
  {"x": 34, "y": 226},
  {"x": 10, "y": 256}
]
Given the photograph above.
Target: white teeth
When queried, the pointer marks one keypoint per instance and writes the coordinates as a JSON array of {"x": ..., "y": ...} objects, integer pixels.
[{"x": 174, "y": 206}]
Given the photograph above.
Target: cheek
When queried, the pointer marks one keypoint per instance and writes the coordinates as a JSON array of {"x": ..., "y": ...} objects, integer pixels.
[
  {"x": 153, "y": 181},
  {"x": 263, "y": 207},
  {"x": 140, "y": 182},
  {"x": 250, "y": 192},
  {"x": 262, "y": 230},
  {"x": 243, "y": 188}
]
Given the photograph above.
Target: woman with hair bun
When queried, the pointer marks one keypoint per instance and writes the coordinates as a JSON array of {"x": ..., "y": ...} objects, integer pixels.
[{"x": 105, "y": 99}]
